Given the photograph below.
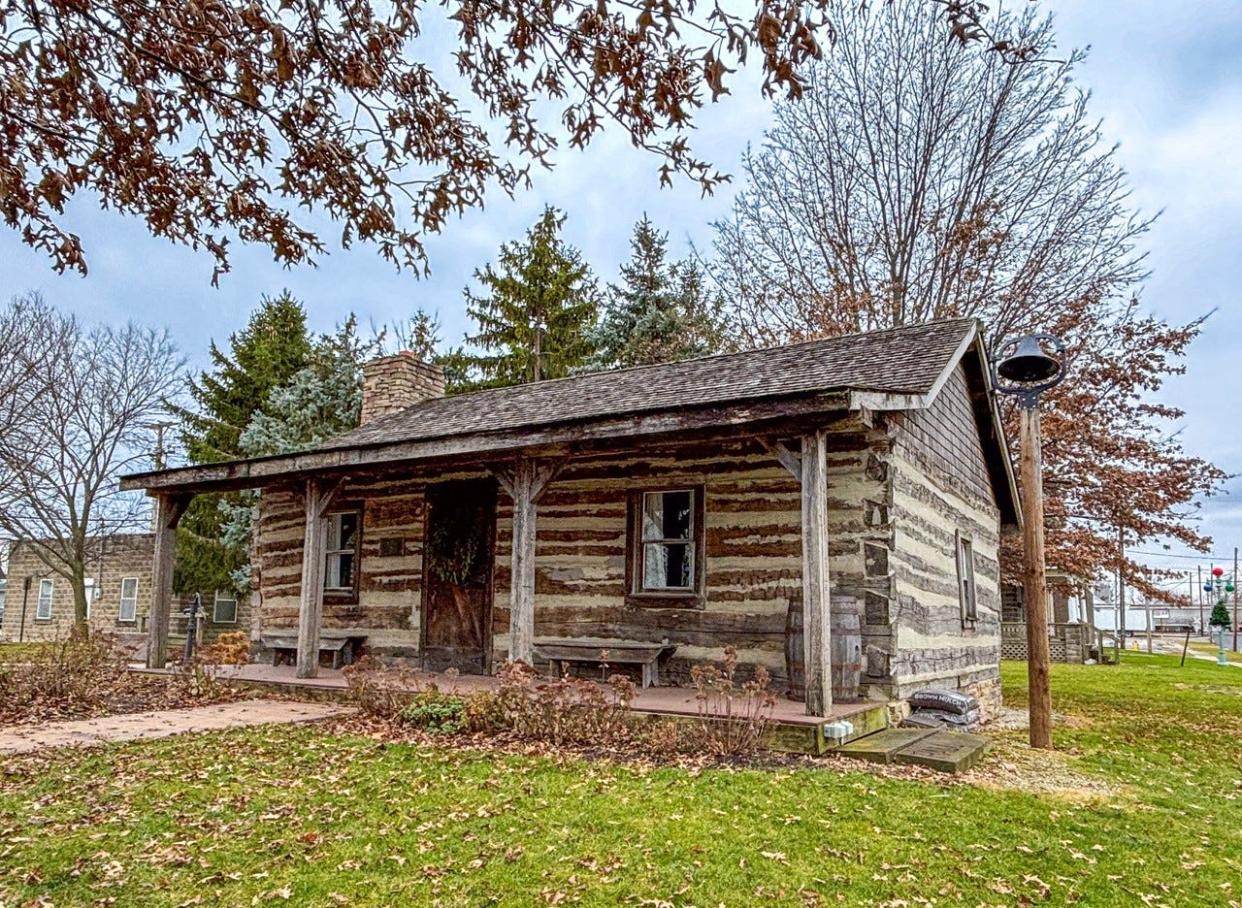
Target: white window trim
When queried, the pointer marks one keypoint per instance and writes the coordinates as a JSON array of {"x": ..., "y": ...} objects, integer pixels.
[
  {"x": 643, "y": 542},
  {"x": 120, "y": 609},
  {"x": 215, "y": 608},
  {"x": 964, "y": 548},
  {"x": 51, "y": 599},
  {"x": 353, "y": 550}
]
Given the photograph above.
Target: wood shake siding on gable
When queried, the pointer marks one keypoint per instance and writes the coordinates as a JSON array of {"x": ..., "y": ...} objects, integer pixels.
[{"x": 940, "y": 488}]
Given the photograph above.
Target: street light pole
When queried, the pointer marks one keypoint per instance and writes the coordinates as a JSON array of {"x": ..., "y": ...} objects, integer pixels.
[{"x": 1025, "y": 370}]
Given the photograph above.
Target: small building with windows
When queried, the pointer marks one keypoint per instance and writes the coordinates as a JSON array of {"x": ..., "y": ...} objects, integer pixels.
[
  {"x": 118, "y": 588},
  {"x": 830, "y": 510}
]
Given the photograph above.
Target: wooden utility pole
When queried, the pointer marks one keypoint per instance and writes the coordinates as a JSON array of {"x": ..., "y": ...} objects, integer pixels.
[
  {"x": 1235, "y": 598},
  {"x": 1121, "y": 590},
  {"x": 1199, "y": 587},
  {"x": 1035, "y": 584}
]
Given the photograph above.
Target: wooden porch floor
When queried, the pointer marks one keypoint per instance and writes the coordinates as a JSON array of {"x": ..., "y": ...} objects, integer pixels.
[{"x": 666, "y": 701}]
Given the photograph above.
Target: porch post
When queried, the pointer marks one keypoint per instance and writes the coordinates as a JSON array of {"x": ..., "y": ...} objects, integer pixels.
[
  {"x": 525, "y": 482},
  {"x": 815, "y": 589},
  {"x": 310, "y": 606},
  {"x": 168, "y": 511},
  {"x": 522, "y": 582}
]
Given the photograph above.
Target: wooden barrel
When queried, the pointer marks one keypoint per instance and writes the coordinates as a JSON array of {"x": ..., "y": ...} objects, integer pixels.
[
  {"x": 846, "y": 646},
  {"x": 846, "y": 655},
  {"x": 795, "y": 655}
]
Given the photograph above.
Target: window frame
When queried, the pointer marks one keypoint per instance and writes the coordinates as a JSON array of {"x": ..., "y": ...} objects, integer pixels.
[
  {"x": 51, "y": 599},
  {"x": 967, "y": 587},
  {"x": 215, "y": 606},
  {"x": 121, "y": 600},
  {"x": 344, "y": 595},
  {"x": 635, "y": 595}
]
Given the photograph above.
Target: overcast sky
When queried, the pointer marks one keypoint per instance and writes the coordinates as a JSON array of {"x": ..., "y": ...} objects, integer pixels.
[{"x": 1167, "y": 82}]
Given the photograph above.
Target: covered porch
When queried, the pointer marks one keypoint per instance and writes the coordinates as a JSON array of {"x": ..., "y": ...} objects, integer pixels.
[{"x": 749, "y": 545}]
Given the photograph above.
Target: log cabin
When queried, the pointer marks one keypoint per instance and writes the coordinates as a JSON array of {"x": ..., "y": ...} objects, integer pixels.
[{"x": 831, "y": 510}]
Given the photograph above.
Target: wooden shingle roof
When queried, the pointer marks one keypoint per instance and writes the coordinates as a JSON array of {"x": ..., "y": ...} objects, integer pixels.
[{"x": 901, "y": 361}]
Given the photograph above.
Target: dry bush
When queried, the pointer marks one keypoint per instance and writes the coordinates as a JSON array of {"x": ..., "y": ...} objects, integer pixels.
[
  {"x": 567, "y": 710},
  {"x": 72, "y": 677},
  {"x": 230, "y": 648},
  {"x": 377, "y": 689},
  {"x": 733, "y": 716}
]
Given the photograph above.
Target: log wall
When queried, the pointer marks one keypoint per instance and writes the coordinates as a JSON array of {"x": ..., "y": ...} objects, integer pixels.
[
  {"x": 940, "y": 487},
  {"x": 752, "y": 542},
  {"x": 897, "y": 493}
]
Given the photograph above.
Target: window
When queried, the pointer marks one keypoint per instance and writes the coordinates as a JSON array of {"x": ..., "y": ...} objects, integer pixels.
[
  {"x": 342, "y": 552},
  {"x": 128, "y": 611},
  {"x": 225, "y": 610},
  {"x": 43, "y": 609},
  {"x": 966, "y": 579},
  {"x": 88, "y": 588},
  {"x": 666, "y": 547}
]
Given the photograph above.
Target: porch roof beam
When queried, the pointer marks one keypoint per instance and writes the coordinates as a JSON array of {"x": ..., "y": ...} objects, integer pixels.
[{"x": 605, "y": 434}]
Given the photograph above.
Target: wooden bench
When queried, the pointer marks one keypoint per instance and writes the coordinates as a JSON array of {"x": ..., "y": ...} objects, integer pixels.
[
  {"x": 561, "y": 653},
  {"x": 343, "y": 647}
]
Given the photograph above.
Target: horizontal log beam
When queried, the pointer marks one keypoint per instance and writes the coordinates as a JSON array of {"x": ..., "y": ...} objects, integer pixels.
[{"x": 619, "y": 432}]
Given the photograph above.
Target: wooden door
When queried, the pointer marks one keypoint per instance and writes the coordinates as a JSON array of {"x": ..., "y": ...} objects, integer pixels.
[{"x": 458, "y": 555}]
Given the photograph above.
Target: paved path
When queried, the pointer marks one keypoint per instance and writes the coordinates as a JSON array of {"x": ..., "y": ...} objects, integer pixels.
[{"x": 161, "y": 724}]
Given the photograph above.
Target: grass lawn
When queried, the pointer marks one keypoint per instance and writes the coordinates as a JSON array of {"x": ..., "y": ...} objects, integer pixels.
[
  {"x": 1212, "y": 649},
  {"x": 299, "y": 815},
  {"x": 19, "y": 652}
]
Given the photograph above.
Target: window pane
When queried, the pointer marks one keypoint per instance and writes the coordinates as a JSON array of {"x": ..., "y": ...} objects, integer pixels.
[
  {"x": 225, "y": 611},
  {"x": 347, "y": 528},
  {"x": 340, "y": 573},
  {"x": 666, "y": 515},
  {"x": 667, "y": 566}
]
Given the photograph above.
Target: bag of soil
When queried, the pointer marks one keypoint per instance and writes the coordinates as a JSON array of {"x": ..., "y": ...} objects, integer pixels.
[
  {"x": 949, "y": 701},
  {"x": 939, "y": 718}
]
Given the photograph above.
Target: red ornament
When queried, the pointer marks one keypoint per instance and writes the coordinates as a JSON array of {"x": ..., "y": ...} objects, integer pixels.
[{"x": 1216, "y": 571}]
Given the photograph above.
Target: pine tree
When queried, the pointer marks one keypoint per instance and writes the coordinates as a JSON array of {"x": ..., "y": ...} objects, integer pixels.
[
  {"x": 320, "y": 400},
  {"x": 264, "y": 355},
  {"x": 661, "y": 312},
  {"x": 1220, "y": 615},
  {"x": 538, "y": 316}
]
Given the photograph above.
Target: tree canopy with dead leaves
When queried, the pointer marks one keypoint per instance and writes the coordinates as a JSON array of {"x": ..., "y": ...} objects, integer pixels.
[
  {"x": 915, "y": 180},
  {"x": 223, "y": 120}
]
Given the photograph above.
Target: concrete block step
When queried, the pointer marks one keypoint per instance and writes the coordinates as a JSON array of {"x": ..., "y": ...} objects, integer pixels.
[{"x": 946, "y": 751}]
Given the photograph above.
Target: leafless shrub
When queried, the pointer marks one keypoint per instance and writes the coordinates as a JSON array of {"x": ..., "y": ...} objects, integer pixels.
[
  {"x": 65, "y": 678},
  {"x": 378, "y": 689},
  {"x": 203, "y": 675},
  {"x": 567, "y": 710},
  {"x": 733, "y": 716}
]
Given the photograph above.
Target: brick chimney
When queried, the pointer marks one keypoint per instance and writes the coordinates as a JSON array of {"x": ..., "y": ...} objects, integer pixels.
[{"x": 392, "y": 383}]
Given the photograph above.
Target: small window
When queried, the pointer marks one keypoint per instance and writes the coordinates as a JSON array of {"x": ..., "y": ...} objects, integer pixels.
[
  {"x": 666, "y": 547},
  {"x": 668, "y": 541},
  {"x": 225, "y": 610},
  {"x": 88, "y": 588},
  {"x": 127, "y": 613},
  {"x": 43, "y": 609},
  {"x": 342, "y": 552},
  {"x": 966, "y": 579}
]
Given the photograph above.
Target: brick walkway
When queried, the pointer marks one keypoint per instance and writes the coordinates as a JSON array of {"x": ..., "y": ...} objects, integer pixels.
[{"x": 161, "y": 724}]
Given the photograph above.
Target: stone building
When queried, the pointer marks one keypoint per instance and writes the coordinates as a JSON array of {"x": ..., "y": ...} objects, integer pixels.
[
  {"x": 118, "y": 593},
  {"x": 831, "y": 511}
]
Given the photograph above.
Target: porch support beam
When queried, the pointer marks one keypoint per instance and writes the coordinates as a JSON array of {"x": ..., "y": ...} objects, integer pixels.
[
  {"x": 789, "y": 459},
  {"x": 525, "y": 482},
  {"x": 318, "y": 498},
  {"x": 815, "y": 588},
  {"x": 168, "y": 511}
]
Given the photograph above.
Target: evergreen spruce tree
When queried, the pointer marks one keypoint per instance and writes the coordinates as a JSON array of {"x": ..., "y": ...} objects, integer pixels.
[
  {"x": 537, "y": 317},
  {"x": 263, "y": 356},
  {"x": 1220, "y": 615},
  {"x": 660, "y": 312}
]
